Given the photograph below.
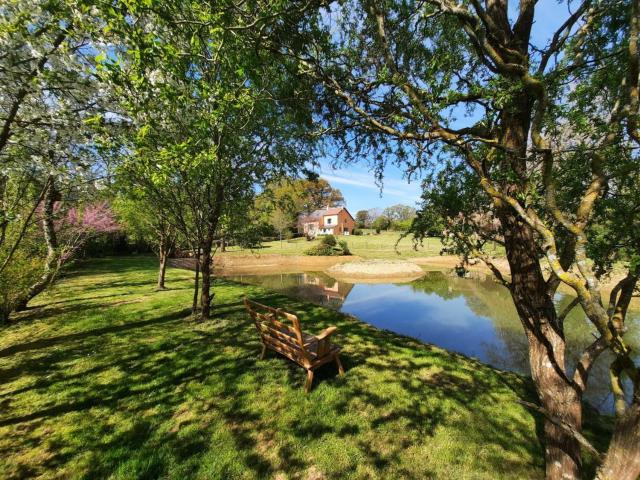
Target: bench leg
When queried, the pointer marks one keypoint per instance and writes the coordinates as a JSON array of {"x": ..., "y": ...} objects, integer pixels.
[
  {"x": 339, "y": 364},
  {"x": 264, "y": 352},
  {"x": 307, "y": 384}
]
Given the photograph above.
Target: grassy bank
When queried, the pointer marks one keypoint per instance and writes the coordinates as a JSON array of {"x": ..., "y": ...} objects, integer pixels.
[
  {"x": 106, "y": 378},
  {"x": 383, "y": 245}
]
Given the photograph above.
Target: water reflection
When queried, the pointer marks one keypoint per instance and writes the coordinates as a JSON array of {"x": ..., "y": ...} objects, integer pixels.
[{"x": 473, "y": 317}]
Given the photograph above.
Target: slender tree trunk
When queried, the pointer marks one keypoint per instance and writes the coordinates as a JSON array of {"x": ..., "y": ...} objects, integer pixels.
[
  {"x": 546, "y": 350},
  {"x": 51, "y": 265},
  {"x": 206, "y": 256},
  {"x": 205, "y": 266},
  {"x": 163, "y": 252},
  {"x": 162, "y": 269},
  {"x": 223, "y": 244},
  {"x": 196, "y": 289},
  {"x": 623, "y": 456}
]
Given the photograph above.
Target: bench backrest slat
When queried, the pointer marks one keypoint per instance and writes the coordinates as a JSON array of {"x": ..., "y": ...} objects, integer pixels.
[{"x": 269, "y": 322}]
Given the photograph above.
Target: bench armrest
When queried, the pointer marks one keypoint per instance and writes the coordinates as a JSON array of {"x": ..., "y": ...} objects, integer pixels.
[{"x": 326, "y": 333}]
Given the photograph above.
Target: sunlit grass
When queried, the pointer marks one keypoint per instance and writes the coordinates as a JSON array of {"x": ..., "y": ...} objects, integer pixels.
[
  {"x": 107, "y": 378},
  {"x": 383, "y": 245}
]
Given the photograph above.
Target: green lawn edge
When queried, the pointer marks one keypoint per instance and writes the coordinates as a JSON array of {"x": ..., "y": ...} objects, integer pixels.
[{"x": 104, "y": 377}]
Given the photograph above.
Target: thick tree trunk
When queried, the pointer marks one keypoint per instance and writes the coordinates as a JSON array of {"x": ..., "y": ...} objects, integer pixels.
[
  {"x": 546, "y": 349},
  {"x": 51, "y": 265},
  {"x": 623, "y": 456},
  {"x": 205, "y": 267}
]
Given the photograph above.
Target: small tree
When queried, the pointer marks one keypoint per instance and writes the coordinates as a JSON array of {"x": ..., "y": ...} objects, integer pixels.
[
  {"x": 142, "y": 220},
  {"x": 281, "y": 221},
  {"x": 362, "y": 218},
  {"x": 381, "y": 223}
]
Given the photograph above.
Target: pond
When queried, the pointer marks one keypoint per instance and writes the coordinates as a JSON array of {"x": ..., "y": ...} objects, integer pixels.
[{"x": 474, "y": 317}]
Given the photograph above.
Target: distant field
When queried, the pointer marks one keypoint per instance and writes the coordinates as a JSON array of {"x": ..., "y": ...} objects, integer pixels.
[{"x": 383, "y": 245}]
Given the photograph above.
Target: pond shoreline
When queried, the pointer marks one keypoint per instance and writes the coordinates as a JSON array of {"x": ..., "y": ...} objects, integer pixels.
[{"x": 231, "y": 264}]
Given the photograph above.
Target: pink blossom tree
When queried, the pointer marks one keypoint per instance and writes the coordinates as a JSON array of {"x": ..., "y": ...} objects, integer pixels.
[{"x": 65, "y": 233}]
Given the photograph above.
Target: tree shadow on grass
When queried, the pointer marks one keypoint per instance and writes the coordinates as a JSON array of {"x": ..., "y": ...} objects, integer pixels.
[
  {"x": 160, "y": 397},
  {"x": 51, "y": 341}
]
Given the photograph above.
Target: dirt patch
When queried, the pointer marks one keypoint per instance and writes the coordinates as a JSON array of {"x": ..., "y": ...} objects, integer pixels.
[
  {"x": 263, "y": 264},
  {"x": 378, "y": 270}
]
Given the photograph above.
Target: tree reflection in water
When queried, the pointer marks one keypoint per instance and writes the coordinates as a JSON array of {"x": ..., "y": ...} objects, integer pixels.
[{"x": 473, "y": 317}]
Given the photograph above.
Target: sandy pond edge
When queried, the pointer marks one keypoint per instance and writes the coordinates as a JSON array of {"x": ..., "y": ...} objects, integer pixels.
[{"x": 274, "y": 263}]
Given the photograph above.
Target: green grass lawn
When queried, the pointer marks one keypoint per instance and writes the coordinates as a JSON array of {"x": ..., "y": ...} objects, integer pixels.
[
  {"x": 382, "y": 245},
  {"x": 106, "y": 378}
]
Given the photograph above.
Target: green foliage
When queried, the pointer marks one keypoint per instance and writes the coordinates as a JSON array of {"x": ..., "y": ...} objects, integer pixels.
[
  {"x": 402, "y": 225},
  {"x": 20, "y": 274},
  {"x": 328, "y": 246},
  {"x": 328, "y": 240},
  {"x": 362, "y": 218},
  {"x": 321, "y": 250},
  {"x": 399, "y": 213},
  {"x": 284, "y": 199},
  {"x": 381, "y": 223}
]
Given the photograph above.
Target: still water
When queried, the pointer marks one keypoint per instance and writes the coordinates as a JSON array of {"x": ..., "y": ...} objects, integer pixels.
[{"x": 473, "y": 317}]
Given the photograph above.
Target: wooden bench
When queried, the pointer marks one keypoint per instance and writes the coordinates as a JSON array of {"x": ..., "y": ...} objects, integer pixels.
[{"x": 308, "y": 351}]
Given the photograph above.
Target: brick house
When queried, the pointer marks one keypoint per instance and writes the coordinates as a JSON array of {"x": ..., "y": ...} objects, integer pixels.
[{"x": 325, "y": 221}]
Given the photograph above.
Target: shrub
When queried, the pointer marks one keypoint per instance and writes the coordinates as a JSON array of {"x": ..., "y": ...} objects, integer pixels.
[
  {"x": 319, "y": 250},
  {"x": 381, "y": 223},
  {"x": 329, "y": 240},
  {"x": 322, "y": 249}
]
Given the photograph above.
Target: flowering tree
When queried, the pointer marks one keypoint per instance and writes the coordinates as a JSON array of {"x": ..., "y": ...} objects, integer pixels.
[
  {"x": 65, "y": 233},
  {"x": 50, "y": 103}
]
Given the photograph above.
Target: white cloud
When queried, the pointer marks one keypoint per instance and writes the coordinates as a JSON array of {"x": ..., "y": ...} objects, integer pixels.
[{"x": 391, "y": 186}]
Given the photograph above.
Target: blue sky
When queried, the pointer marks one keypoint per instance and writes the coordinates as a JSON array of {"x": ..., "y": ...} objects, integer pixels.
[
  {"x": 357, "y": 183},
  {"x": 360, "y": 191}
]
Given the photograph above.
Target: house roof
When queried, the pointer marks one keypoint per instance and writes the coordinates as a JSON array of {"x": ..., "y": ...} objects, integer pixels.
[{"x": 322, "y": 212}]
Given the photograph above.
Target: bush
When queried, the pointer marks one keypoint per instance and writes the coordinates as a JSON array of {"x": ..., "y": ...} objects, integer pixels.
[
  {"x": 402, "y": 225},
  {"x": 329, "y": 240},
  {"x": 357, "y": 232},
  {"x": 381, "y": 223},
  {"x": 324, "y": 250},
  {"x": 319, "y": 250}
]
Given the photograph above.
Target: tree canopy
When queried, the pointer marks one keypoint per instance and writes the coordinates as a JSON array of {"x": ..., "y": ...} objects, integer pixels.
[{"x": 524, "y": 144}]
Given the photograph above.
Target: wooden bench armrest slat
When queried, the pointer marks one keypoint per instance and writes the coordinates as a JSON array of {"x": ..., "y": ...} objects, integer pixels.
[{"x": 326, "y": 333}]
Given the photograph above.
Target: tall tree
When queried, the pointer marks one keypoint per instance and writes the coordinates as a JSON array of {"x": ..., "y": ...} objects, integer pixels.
[
  {"x": 399, "y": 213},
  {"x": 213, "y": 116},
  {"x": 533, "y": 144},
  {"x": 48, "y": 100},
  {"x": 318, "y": 193}
]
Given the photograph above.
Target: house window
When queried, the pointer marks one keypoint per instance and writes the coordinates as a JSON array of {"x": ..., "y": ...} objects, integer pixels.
[{"x": 328, "y": 221}]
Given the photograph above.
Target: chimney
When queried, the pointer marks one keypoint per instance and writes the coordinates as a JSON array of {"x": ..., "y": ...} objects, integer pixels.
[{"x": 327, "y": 207}]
